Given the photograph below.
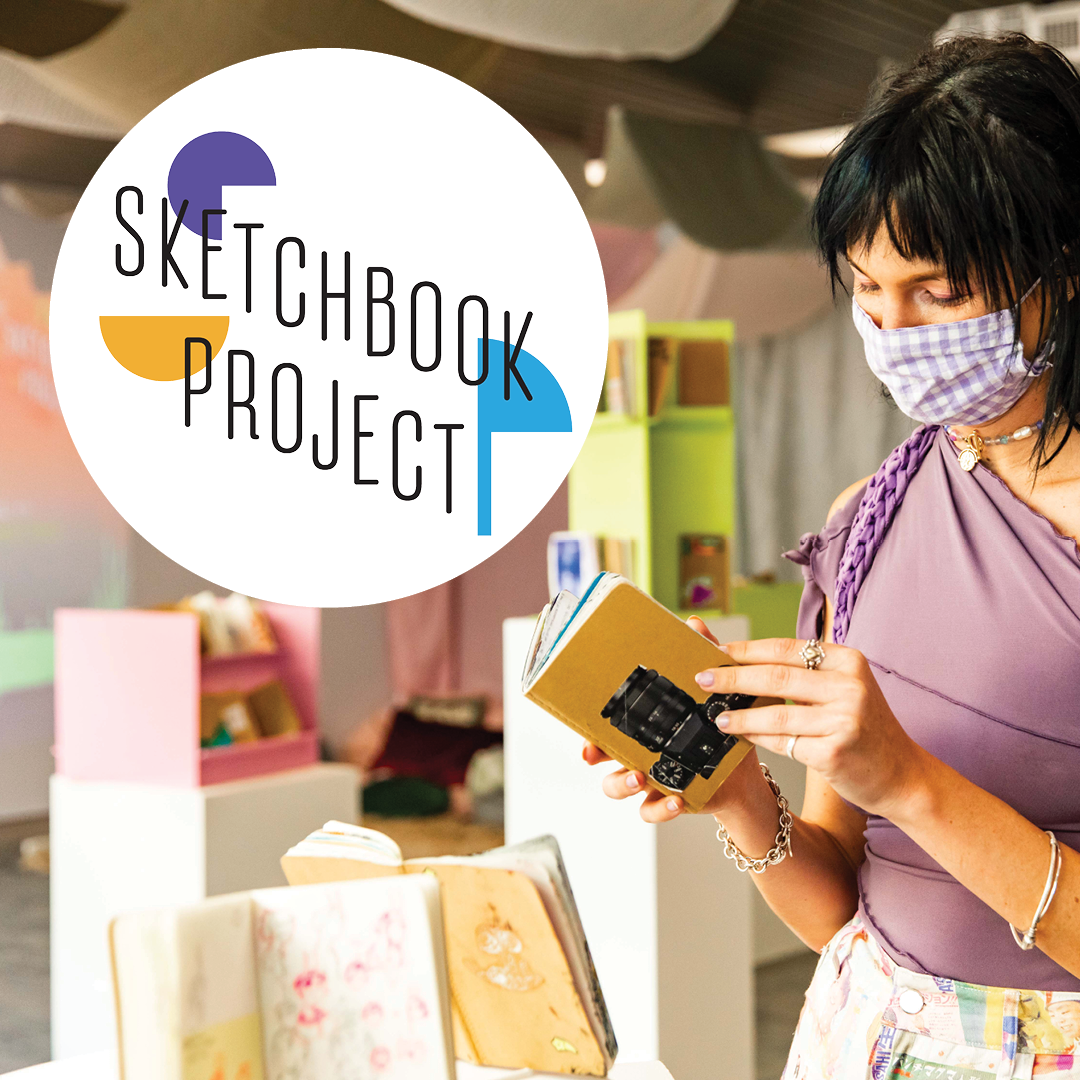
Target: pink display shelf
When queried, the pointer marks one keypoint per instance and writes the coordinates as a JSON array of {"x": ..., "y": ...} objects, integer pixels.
[{"x": 127, "y": 696}]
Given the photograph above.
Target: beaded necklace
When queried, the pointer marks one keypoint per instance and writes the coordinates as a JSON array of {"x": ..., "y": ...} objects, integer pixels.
[{"x": 971, "y": 446}]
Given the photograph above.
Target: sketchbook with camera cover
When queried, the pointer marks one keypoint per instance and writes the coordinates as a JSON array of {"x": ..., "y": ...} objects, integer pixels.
[{"x": 618, "y": 668}]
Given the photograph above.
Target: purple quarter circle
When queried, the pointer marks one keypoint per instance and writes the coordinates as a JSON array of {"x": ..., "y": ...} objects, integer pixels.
[{"x": 207, "y": 164}]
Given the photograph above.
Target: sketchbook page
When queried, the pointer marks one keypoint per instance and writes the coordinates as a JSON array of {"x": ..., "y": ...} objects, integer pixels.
[
  {"x": 326, "y": 866},
  {"x": 146, "y": 990},
  {"x": 602, "y": 585},
  {"x": 349, "y": 981},
  {"x": 185, "y": 988},
  {"x": 535, "y": 641},
  {"x": 219, "y": 1011},
  {"x": 510, "y": 978},
  {"x": 541, "y": 859}
]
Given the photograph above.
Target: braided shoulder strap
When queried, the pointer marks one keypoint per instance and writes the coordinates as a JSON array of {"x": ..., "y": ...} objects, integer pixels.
[{"x": 883, "y": 495}]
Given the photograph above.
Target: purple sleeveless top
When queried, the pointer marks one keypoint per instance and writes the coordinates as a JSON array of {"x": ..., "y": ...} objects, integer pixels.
[{"x": 970, "y": 618}]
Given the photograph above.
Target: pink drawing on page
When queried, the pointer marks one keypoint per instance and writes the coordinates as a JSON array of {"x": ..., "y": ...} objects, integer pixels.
[
  {"x": 311, "y": 989},
  {"x": 385, "y": 953},
  {"x": 341, "y": 992}
]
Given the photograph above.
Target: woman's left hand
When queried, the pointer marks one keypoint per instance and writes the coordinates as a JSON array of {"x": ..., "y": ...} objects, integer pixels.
[{"x": 845, "y": 729}]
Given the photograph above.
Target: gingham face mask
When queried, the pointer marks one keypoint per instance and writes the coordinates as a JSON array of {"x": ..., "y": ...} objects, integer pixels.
[{"x": 967, "y": 372}]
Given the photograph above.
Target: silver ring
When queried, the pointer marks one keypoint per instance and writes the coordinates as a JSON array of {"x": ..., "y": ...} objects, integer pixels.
[
  {"x": 790, "y": 748},
  {"x": 812, "y": 654}
]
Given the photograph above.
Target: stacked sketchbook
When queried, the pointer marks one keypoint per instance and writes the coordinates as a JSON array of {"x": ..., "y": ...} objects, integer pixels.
[
  {"x": 523, "y": 990},
  {"x": 317, "y": 983}
]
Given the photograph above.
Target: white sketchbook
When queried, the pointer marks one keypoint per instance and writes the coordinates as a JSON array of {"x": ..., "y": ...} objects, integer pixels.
[{"x": 314, "y": 982}]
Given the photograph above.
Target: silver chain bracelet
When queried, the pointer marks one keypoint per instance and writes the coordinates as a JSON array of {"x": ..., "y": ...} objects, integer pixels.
[{"x": 780, "y": 850}]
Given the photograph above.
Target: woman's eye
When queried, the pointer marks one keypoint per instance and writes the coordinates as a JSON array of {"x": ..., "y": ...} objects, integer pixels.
[
  {"x": 866, "y": 287},
  {"x": 948, "y": 301}
]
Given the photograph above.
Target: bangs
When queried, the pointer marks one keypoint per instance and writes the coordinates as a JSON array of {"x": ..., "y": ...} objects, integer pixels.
[{"x": 945, "y": 189}]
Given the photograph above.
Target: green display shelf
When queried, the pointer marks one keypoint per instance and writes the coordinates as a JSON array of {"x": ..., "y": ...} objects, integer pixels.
[
  {"x": 771, "y": 609},
  {"x": 651, "y": 479}
]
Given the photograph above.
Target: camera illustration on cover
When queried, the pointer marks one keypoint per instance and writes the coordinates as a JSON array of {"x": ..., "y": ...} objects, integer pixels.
[{"x": 653, "y": 711}]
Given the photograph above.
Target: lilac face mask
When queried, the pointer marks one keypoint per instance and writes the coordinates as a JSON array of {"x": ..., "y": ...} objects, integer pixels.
[{"x": 967, "y": 372}]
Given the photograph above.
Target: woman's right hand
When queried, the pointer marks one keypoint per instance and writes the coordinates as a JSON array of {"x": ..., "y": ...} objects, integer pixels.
[{"x": 660, "y": 806}]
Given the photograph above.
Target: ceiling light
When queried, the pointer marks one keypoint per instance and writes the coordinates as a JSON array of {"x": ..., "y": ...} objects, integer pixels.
[
  {"x": 595, "y": 171},
  {"x": 817, "y": 143}
]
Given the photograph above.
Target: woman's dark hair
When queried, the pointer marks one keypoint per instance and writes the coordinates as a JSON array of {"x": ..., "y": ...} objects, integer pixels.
[{"x": 971, "y": 159}]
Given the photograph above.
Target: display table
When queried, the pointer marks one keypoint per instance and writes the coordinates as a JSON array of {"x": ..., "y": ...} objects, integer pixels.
[
  {"x": 102, "y": 1066},
  {"x": 118, "y": 847}
]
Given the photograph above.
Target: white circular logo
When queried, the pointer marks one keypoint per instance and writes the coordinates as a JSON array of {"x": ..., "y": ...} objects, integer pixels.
[{"x": 328, "y": 327}]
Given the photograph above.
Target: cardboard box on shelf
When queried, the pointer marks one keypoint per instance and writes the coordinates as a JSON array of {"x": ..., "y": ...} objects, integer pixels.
[{"x": 704, "y": 373}]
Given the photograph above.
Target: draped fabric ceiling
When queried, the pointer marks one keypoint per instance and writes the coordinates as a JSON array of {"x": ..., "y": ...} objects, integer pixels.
[
  {"x": 617, "y": 28},
  {"x": 728, "y": 72}
]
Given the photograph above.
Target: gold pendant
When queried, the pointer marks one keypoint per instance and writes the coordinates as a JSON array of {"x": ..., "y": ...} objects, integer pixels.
[{"x": 970, "y": 447}]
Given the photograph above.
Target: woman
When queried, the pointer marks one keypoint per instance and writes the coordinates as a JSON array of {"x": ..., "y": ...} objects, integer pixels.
[{"x": 942, "y": 738}]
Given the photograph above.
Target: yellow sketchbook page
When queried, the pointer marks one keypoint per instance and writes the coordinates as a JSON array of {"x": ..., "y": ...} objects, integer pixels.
[
  {"x": 509, "y": 977},
  {"x": 313, "y": 870},
  {"x": 463, "y": 1044},
  {"x": 231, "y": 1050},
  {"x": 626, "y": 629}
]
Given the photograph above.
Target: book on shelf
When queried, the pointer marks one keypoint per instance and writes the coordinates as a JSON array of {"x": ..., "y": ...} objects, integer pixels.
[
  {"x": 234, "y": 716},
  {"x": 573, "y": 559},
  {"x": 662, "y": 354},
  {"x": 616, "y": 556},
  {"x": 233, "y": 625},
  {"x": 523, "y": 989},
  {"x": 314, "y": 983},
  {"x": 619, "y": 395},
  {"x": 618, "y": 668}
]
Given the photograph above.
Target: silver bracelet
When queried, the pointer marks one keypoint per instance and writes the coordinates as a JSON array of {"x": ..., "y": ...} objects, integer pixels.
[
  {"x": 780, "y": 850},
  {"x": 1028, "y": 940}
]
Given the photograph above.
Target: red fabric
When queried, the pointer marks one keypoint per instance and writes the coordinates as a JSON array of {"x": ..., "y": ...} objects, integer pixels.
[{"x": 434, "y": 752}]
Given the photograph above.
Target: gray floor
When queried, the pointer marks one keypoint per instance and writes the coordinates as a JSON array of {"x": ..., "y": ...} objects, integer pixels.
[
  {"x": 24, "y": 977},
  {"x": 24, "y": 962}
]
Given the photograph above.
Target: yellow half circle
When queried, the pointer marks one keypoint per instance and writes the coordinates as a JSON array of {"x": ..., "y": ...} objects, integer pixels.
[{"x": 152, "y": 346}]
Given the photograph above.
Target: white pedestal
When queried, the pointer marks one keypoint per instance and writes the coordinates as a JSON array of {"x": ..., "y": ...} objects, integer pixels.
[
  {"x": 117, "y": 847},
  {"x": 670, "y": 921}
]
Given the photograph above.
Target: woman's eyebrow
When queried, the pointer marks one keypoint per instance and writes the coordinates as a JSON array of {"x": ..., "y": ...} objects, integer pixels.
[{"x": 913, "y": 280}]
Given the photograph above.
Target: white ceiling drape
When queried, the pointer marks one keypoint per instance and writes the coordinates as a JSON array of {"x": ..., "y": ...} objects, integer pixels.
[{"x": 618, "y": 29}]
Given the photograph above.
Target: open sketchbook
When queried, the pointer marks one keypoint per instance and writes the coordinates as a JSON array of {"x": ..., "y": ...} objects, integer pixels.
[
  {"x": 618, "y": 668},
  {"x": 341, "y": 980},
  {"x": 524, "y": 992}
]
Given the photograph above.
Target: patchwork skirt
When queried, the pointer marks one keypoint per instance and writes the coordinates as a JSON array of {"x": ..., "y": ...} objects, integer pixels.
[{"x": 867, "y": 1017}]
